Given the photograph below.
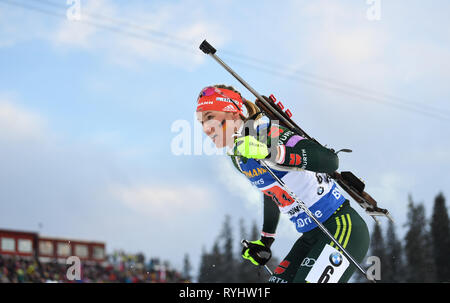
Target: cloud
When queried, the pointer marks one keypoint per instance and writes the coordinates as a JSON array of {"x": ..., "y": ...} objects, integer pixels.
[
  {"x": 125, "y": 35},
  {"x": 20, "y": 124},
  {"x": 75, "y": 188},
  {"x": 129, "y": 35},
  {"x": 336, "y": 40},
  {"x": 237, "y": 184},
  {"x": 74, "y": 34},
  {"x": 423, "y": 61},
  {"x": 163, "y": 201},
  {"x": 82, "y": 33},
  {"x": 18, "y": 26}
]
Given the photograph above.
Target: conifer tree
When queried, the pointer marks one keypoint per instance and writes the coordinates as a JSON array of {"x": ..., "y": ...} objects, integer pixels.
[
  {"x": 440, "y": 235},
  {"x": 204, "y": 267},
  {"x": 394, "y": 264},
  {"x": 246, "y": 271},
  {"x": 187, "y": 267},
  {"x": 216, "y": 265},
  {"x": 419, "y": 267},
  {"x": 378, "y": 249},
  {"x": 227, "y": 266}
]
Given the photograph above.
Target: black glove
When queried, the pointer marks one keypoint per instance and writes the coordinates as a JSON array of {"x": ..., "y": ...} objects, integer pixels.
[{"x": 258, "y": 252}]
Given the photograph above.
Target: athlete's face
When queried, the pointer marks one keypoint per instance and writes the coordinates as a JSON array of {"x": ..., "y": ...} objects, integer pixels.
[{"x": 219, "y": 126}]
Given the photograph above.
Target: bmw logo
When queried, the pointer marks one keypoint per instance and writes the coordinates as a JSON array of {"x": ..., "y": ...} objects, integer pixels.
[
  {"x": 320, "y": 190},
  {"x": 336, "y": 259}
]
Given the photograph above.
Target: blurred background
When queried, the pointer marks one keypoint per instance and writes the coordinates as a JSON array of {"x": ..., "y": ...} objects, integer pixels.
[{"x": 93, "y": 93}]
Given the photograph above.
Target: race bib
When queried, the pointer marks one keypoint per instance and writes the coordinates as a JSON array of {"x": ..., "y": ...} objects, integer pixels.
[{"x": 329, "y": 266}]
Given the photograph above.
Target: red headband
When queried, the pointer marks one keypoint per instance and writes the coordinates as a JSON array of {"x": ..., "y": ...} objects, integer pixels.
[{"x": 219, "y": 99}]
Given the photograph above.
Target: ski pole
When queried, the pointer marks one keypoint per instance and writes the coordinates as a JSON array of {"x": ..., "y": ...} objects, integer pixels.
[
  {"x": 210, "y": 50},
  {"x": 318, "y": 223},
  {"x": 245, "y": 243}
]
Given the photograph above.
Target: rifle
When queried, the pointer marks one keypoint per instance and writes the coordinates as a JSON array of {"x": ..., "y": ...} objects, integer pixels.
[{"x": 275, "y": 111}]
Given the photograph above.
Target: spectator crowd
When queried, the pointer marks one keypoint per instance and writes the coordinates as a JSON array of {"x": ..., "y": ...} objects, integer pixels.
[{"x": 119, "y": 268}]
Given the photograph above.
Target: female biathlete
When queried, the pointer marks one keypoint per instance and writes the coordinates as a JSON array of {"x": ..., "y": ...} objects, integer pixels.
[{"x": 303, "y": 165}]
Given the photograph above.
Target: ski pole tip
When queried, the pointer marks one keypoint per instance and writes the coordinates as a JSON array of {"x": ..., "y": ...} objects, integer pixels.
[{"x": 207, "y": 48}]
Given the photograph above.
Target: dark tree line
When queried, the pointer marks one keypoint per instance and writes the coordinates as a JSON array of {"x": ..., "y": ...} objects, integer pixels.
[
  {"x": 224, "y": 264},
  {"x": 423, "y": 254}
]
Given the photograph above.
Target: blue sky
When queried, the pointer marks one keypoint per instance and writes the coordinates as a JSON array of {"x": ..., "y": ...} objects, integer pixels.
[{"x": 86, "y": 113}]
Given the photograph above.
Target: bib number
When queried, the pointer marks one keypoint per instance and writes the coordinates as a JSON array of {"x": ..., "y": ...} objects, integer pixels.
[{"x": 279, "y": 196}]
